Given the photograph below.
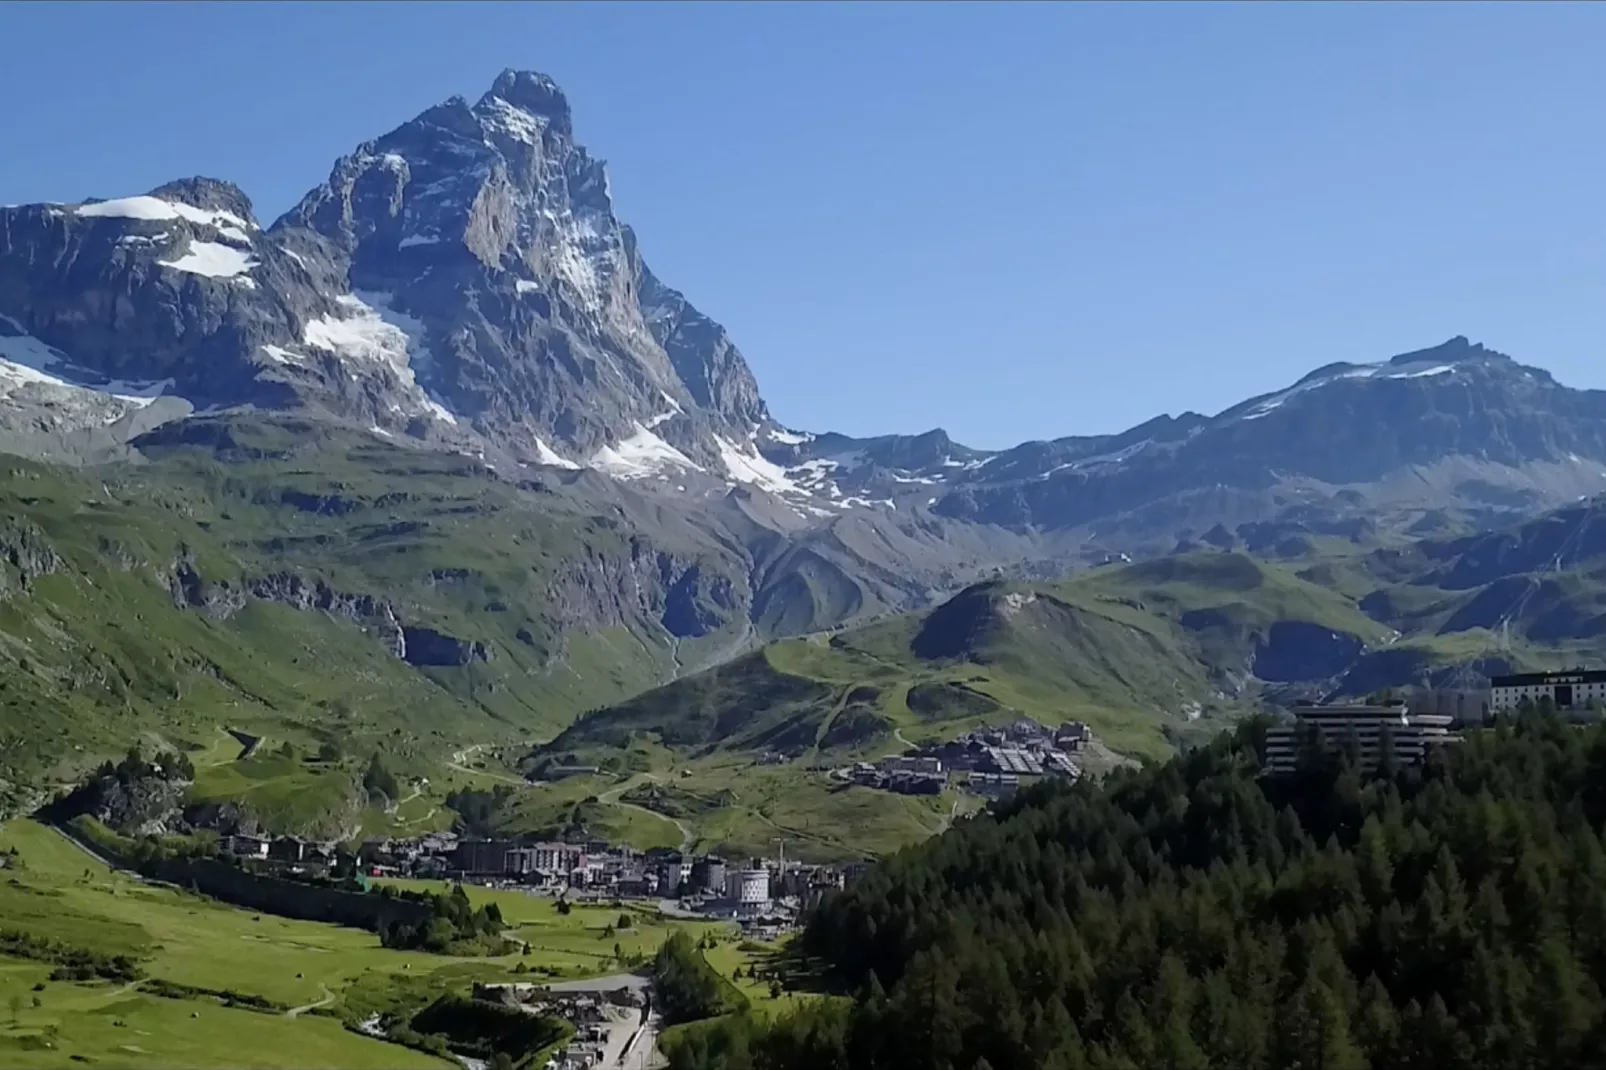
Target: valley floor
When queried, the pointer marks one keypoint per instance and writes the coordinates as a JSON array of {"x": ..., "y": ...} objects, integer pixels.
[{"x": 315, "y": 979}]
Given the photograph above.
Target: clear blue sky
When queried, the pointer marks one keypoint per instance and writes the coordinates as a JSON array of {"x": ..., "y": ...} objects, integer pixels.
[{"x": 1012, "y": 221}]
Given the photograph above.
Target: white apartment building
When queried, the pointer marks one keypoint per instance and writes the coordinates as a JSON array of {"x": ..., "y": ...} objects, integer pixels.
[{"x": 1571, "y": 690}]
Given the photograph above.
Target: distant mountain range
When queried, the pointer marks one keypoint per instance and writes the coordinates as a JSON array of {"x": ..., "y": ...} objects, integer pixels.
[
  {"x": 444, "y": 402},
  {"x": 1150, "y": 654}
]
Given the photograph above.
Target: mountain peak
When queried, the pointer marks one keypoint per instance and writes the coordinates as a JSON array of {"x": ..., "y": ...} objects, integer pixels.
[
  {"x": 533, "y": 92},
  {"x": 1453, "y": 351},
  {"x": 212, "y": 194}
]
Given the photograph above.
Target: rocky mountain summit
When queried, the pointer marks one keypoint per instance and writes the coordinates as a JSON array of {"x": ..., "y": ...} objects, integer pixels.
[
  {"x": 462, "y": 279},
  {"x": 463, "y": 283}
]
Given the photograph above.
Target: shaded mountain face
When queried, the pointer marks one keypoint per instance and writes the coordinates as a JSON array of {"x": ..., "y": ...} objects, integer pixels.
[{"x": 464, "y": 281}]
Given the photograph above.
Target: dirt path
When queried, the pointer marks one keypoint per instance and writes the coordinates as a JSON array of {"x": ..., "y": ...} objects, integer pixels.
[
  {"x": 433, "y": 810},
  {"x": 328, "y": 998},
  {"x": 460, "y": 763},
  {"x": 948, "y": 822},
  {"x": 615, "y": 797},
  {"x": 812, "y": 755}
]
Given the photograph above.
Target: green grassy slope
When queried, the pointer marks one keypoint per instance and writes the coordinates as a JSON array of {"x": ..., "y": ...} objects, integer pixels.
[
  {"x": 1135, "y": 651},
  {"x": 124, "y": 609},
  {"x": 1149, "y": 654}
]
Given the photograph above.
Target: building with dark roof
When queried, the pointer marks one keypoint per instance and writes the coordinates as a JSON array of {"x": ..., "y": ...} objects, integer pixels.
[{"x": 1570, "y": 690}]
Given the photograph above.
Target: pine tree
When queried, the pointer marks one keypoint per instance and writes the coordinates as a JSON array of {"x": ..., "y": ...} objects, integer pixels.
[{"x": 1315, "y": 1035}]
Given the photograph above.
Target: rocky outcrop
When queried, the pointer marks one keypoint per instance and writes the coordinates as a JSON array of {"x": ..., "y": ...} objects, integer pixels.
[
  {"x": 415, "y": 644},
  {"x": 138, "y": 796},
  {"x": 425, "y": 647},
  {"x": 1293, "y": 651},
  {"x": 604, "y": 589},
  {"x": 376, "y": 615},
  {"x": 27, "y": 550}
]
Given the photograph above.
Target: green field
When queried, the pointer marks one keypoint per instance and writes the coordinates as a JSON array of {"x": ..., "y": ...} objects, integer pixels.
[
  {"x": 58, "y": 891},
  {"x": 111, "y": 1025}
]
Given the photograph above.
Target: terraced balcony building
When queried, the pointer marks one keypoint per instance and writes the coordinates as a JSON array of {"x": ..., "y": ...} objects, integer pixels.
[{"x": 1369, "y": 728}]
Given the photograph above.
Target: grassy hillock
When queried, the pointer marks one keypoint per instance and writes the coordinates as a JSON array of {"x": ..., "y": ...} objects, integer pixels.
[{"x": 1140, "y": 652}]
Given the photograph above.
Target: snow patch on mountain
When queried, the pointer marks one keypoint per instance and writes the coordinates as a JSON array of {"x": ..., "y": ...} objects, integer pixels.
[
  {"x": 214, "y": 261},
  {"x": 1423, "y": 373},
  {"x": 546, "y": 455},
  {"x": 25, "y": 361},
  {"x": 281, "y": 355},
  {"x": 641, "y": 455},
  {"x": 157, "y": 209},
  {"x": 752, "y": 468},
  {"x": 130, "y": 240},
  {"x": 370, "y": 331}
]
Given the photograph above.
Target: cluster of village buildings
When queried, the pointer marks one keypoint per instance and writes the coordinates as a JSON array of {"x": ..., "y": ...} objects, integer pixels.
[
  {"x": 761, "y": 893},
  {"x": 989, "y": 762}
]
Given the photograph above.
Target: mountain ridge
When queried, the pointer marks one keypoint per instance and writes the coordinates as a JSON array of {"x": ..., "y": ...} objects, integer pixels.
[{"x": 463, "y": 279}]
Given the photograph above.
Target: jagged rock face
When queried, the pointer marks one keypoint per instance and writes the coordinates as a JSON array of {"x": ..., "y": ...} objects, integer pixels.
[
  {"x": 704, "y": 358},
  {"x": 605, "y": 590},
  {"x": 462, "y": 279},
  {"x": 426, "y": 647},
  {"x": 142, "y": 309},
  {"x": 494, "y": 228},
  {"x": 26, "y": 549},
  {"x": 1293, "y": 651}
]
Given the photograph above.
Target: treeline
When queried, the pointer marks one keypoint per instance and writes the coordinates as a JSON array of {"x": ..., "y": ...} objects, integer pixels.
[
  {"x": 184, "y": 862},
  {"x": 72, "y": 963},
  {"x": 1195, "y": 915},
  {"x": 485, "y": 1030},
  {"x": 686, "y": 988},
  {"x": 454, "y": 926},
  {"x": 227, "y": 996}
]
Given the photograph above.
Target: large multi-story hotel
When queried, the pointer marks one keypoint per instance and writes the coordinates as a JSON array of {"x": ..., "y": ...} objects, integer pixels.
[{"x": 1412, "y": 733}]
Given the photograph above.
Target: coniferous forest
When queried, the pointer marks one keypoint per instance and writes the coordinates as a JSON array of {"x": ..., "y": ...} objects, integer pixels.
[{"x": 1195, "y": 914}]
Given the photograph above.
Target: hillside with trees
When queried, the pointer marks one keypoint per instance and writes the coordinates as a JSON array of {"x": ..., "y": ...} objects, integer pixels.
[{"x": 1194, "y": 914}]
